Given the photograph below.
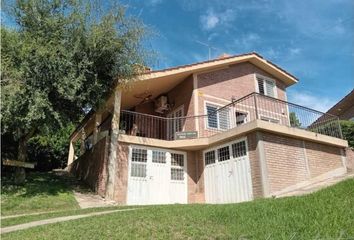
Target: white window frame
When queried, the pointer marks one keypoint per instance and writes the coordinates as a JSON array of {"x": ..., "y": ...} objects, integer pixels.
[
  {"x": 171, "y": 115},
  {"x": 264, "y": 78},
  {"x": 206, "y": 103},
  {"x": 270, "y": 118},
  {"x": 229, "y": 144}
]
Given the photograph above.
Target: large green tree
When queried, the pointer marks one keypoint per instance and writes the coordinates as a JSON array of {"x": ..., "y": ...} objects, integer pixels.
[{"x": 59, "y": 60}]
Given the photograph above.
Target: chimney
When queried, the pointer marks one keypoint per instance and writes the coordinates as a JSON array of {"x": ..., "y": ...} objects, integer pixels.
[{"x": 224, "y": 55}]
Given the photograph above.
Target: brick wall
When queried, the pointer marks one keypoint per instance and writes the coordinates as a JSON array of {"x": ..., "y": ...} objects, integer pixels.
[
  {"x": 255, "y": 166},
  {"x": 195, "y": 177},
  {"x": 322, "y": 158},
  {"x": 349, "y": 159},
  {"x": 91, "y": 167},
  {"x": 285, "y": 160},
  {"x": 234, "y": 81},
  {"x": 291, "y": 161},
  {"x": 121, "y": 178}
]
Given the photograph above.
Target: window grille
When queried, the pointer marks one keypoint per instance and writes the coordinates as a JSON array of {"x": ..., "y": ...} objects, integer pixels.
[
  {"x": 212, "y": 116},
  {"x": 158, "y": 156},
  {"x": 223, "y": 154},
  {"x": 139, "y": 155},
  {"x": 239, "y": 149},
  {"x": 209, "y": 157},
  {"x": 138, "y": 170},
  {"x": 177, "y": 159},
  {"x": 139, "y": 159},
  {"x": 177, "y": 174}
]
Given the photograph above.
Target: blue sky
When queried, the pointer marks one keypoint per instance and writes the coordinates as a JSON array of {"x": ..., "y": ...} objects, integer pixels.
[{"x": 314, "y": 40}]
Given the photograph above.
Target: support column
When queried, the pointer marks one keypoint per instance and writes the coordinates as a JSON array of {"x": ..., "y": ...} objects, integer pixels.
[
  {"x": 71, "y": 153},
  {"x": 83, "y": 138},
  {"x": 112, "y": 163},
  {"x": 263, "y": 165},
  {"x": 98, "y": 120}
]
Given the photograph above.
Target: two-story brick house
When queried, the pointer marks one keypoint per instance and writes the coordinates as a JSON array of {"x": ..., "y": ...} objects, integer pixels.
[{"x": 217, "y": 131}]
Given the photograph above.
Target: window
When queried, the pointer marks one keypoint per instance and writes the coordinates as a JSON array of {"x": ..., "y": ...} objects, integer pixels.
[
  {"x": 241, "y": 118},
  {"x": 177, "y": 174},
  {"x": 266, "y": 86},
  {"x": 139, "y": 155},
  {"x": 209, "y": 157},
  {"x": 139, "y": 159},
  {"x": 239, "y": 149},
  {"x": 158, "y": 156},
  {"x": 212, "y": 116},
  {"x": 223, "y": 154},
  {"x": 268, "y": 119},
  {"x": 175, "y": 124},
  {"x": 218, "y": 118},
  {"x": 177, "y": 159},
  {"x": 177, "y": 166}
]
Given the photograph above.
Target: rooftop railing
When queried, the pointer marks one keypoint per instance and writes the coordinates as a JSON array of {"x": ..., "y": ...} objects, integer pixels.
[{"x": 242, "y": 111}]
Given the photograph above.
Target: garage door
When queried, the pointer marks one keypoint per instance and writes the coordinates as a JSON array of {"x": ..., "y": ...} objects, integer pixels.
[
  {"x": 227, "y": 173},
  {"x": 156, "y": 176}
]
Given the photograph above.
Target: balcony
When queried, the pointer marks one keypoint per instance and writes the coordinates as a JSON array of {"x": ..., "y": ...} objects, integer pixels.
[{"x": 240, "y": 112}]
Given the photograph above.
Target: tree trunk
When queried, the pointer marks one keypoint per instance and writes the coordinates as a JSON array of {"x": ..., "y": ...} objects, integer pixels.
[{"x": 20, "y": 173}]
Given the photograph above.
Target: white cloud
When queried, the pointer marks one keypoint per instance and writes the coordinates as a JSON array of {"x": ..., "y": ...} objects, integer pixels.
[
  {"x": 209, "y": 21},
  {"x": 212, "y": 19},
  {"x": 294, "y": 51},
  {"x": 310, "y": 100},
  {"x": 247, "y": 42}
]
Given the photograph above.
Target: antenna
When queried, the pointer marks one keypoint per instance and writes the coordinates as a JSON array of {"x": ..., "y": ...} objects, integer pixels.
[{"x": 208, "y": 46}]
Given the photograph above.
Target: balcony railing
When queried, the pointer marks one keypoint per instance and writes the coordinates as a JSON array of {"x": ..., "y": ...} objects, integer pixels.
[{"x": 244, "y": 110}]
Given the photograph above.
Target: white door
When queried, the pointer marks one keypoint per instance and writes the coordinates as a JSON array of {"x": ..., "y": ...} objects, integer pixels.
[
  {"x": 175, "y": 123},
  {"x": 156, "y": 176},
  {"x": 227, "y": 173}
]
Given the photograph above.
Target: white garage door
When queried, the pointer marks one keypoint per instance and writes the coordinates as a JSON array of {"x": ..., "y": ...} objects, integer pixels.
[
  {"x": 156, "y": 176},
  {"x": 227, "y": 173}
]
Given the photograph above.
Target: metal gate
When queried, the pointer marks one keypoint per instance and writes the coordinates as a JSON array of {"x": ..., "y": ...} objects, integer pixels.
[
  {"x": 156, "y": 176},
  {"x": 227, "y": 173}
]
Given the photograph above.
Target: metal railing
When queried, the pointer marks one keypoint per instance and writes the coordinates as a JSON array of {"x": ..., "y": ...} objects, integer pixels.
[{"x": 242, "y": 111}]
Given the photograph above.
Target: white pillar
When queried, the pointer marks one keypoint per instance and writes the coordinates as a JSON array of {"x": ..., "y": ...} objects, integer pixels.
[
  {"x": 113, "y": 148},
  {"x": 71, "y": 153},
  {"x": 98, "y": 119}
]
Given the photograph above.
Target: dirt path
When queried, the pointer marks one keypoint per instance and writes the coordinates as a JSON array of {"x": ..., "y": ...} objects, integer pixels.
[{"x": 58, "y": 219}]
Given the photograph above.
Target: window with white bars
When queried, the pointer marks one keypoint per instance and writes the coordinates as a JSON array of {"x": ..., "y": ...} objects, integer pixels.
[
  {"x": 138, "y": 170},
  {"x": 223, "y": 154},
  {"x": 239, "y": 149},
  {"x": 139, "y": 155},
  {"x": 212, "y": 116},
  {"x": 177, "y": 159},
  {"x": 266, "y": 86},
  {"x": 138, "y": 165},
  {"x": 177, "y": 166},
  {"x": 177, "y": 174},
  {"x": 158, "y": 156},
  {"x": 217, "y": 118},
  {"x": 209, "y": 157}
]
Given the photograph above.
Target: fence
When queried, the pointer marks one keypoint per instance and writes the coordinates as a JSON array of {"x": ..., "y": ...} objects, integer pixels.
[{"x": 246, "y": 109}]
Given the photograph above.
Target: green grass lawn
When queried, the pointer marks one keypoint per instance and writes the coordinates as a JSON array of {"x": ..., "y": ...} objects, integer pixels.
[
  {"x": 323, "y": 215},
  {"x": 42, "y": 192}
]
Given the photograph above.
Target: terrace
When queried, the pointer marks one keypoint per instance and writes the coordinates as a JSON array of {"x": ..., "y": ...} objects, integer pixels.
[{"x": 239, "y": 112}]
